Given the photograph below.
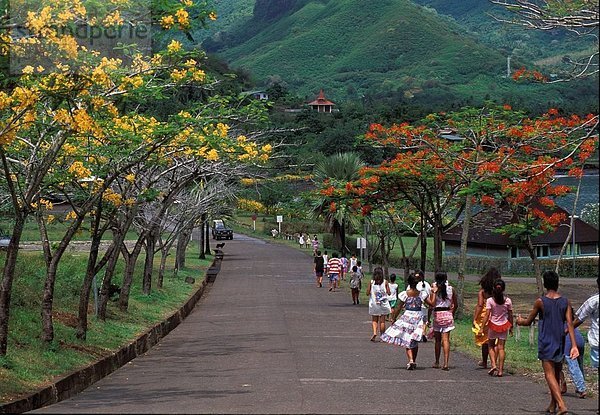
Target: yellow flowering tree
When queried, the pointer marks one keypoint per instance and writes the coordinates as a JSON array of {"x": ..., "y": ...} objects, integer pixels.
[{"x": 70, "y": 125}]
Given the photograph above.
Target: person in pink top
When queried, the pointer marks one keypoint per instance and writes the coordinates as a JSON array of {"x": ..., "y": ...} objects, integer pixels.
[{"x": 499, "y": 320}]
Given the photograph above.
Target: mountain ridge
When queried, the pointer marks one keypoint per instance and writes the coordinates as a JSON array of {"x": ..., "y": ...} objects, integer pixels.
[{"x": 353, "y": 49}]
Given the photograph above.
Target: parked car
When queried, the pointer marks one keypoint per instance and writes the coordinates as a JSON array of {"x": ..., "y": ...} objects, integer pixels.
[
  {"x": 4, "y": 241},
  {"x": 220, "y": 231}
]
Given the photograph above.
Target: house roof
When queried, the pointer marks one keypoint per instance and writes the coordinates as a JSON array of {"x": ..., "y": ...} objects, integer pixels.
[
  {"x": 483, "y": 223},
  {"x": 321, "y": 100}
]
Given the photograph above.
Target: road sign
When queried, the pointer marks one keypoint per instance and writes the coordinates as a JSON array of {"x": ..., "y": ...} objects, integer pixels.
[
  {"x": 279, "y": 218},
  {"x": 361, "y": 243}
]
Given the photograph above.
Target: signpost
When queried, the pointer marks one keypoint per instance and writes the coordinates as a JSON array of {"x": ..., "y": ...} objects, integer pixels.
[
  {"x": 361, "y": 243},
  {"x": 254, "y": 222},
  {"x": 279, "y": 220}
]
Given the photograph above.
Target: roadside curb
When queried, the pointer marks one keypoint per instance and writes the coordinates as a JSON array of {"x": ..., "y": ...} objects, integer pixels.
[{"x": 77, "y": 381}]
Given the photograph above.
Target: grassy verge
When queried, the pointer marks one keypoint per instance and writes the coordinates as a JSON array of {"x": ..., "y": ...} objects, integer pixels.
[{"x": 30, "y": 363}]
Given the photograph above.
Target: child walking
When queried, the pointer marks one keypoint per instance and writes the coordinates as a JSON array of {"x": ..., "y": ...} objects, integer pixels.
[
  {"x": 443, "y": 301},
  {"x": 355, "y": 283},
  {"x": 379, "y": 306},
  {"x": 407, "y": 331},
  {"x": 499, "y": 320},
  {"x": 553, "y": 311}
]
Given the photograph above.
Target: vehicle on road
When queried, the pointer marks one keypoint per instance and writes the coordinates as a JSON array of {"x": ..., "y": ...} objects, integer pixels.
[{"x": 220, "y": 231}]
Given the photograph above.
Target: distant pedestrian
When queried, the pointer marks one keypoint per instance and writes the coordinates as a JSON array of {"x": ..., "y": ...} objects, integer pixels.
[
  {"x": 486, "y": 284},
  {"x": 407, "y": 330},
  {"x": 355, "y": 284},
  {"x": 554, "y": 311},
  {"x": 333, "y": 269},
  {"x": 589, "y": 309},
  {"x": 393, "y": 297},
  {"x": 315, "y": 243},
  {"x": 353, "y": 262},
  {"x": 379, "y": 306},
  {"x": 326, "y": 262},
  {"x": 301, "y": 241},
  {"x": 307, "y": 241},
  {"x": 443, "y": 301},
  {"x": 319, "y": 268},
  {"x": 499, "y": 321},
  {"x": 344, "y": 269}
]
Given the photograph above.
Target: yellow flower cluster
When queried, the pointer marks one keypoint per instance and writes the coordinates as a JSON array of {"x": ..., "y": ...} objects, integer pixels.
[
  {"x": 167, "y": 22},
  {"x": 71, "y": 215},
  {"x": 83, "y": 123},
  {"x": 248, "y": 182},
  {"x": 130, "y": 177},
  {"x": 212, "y": 16},
  {"x": 78, "y": 170},
  {"x": 183, "y": 19},
  {"x": 192, "y": 73},
  {"x": 113, "y": 19},
  {"x": 187, "y": 3},
  {"x": 174, "y": 46},
  {"x": 112, "y": 197},
  {"x": 250, "y": 205}
]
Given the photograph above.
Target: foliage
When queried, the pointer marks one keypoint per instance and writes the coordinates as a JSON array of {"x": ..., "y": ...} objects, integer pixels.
[{"x": 421, "y": 59}]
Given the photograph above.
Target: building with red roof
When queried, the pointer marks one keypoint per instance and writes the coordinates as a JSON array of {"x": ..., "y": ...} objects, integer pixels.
[{"x": 321, "y": 104}]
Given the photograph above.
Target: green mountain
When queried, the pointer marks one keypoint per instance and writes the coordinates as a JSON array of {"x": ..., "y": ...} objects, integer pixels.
[{"x": 355, "y": 49}]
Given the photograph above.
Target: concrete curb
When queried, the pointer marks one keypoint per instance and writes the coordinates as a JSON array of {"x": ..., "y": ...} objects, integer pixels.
[{"x": 75, "y": 382}]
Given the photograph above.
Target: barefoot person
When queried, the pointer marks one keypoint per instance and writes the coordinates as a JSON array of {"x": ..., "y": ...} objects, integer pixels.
[
  {"x": 443, "y": 301},
  {"x": 553, "y": 311},
  {"x": 499, "y": 321},
  {"x": 481, "y": 338}
]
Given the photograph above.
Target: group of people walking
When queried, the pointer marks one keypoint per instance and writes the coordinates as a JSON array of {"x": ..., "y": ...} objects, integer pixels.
[{"x": 423, "y": 311}]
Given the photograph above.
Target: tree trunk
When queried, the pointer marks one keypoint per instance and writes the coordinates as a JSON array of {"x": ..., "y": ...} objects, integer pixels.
[
  {"x": 437, "y": 243},
  {"x": 569, "y": 237},
  {"x": 201, "y": 242},
  {"x": 462, "y": 261},
  {"x": 130, "y": 261},
  {"x": 343, "y": 238},
  {"x": 182, "y": 242},
  {"x": 536, "y": 266},
  {"x": 423, "y": 244},
  {"x": 149, "y": 263},
  {"x": 164, "y": 253},
  {"x": 48, "y": 293},
  {"x": 207, "y": 239},
  {"x": 7, "y": 279},
  {"x": 84, "y": 294},
  {"x": 109, "y": 272}
]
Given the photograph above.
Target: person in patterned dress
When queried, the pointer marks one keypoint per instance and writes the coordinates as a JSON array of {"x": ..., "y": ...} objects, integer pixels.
[{"x": 407, "y": 330}]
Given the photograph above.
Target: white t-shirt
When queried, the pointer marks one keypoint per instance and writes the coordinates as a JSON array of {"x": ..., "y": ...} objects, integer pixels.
[
  {"x": 590, "y": 309},
  {"x": 393, "y": 292}
]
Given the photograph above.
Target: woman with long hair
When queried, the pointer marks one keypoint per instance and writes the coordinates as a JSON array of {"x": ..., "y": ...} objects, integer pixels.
[
  {"x": 444, "y": 304},
  {"x": 499, "y": 320},
  {"x": 481, "y": 338},
  {"x": 379, "y": 306}
]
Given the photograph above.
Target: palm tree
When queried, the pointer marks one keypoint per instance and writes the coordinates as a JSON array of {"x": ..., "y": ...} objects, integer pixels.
[{"x": 340, "y": 168}]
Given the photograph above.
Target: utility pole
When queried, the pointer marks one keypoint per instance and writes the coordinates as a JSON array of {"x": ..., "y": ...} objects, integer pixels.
[{"x": 508, "y": 66}]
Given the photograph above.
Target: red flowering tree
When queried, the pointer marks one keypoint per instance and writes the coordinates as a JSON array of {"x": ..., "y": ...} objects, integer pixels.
[{"x": 492, "y": 156}]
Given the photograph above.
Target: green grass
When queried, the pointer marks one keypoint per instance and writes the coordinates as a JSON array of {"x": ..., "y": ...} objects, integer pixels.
[
  {"x": 30, "y": 363},
  {"x": 56, "y": 230}
]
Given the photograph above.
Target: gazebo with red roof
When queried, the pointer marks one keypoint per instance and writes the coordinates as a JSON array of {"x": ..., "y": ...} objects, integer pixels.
[{"x": 321, "y": 104}]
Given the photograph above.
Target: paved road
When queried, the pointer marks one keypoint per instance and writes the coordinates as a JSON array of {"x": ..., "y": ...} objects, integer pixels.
[{"x": 264, "y": 339}]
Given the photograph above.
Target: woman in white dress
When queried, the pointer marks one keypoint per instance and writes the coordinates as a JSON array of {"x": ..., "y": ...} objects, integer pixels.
[{"x": 379, "y": 306}]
